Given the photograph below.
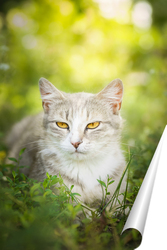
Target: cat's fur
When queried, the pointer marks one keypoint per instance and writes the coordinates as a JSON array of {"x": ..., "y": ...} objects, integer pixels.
[{"x": 49, "y": 148}]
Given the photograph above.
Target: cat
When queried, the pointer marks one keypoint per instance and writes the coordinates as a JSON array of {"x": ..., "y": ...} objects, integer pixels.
[{"x": 77, "y": 135}]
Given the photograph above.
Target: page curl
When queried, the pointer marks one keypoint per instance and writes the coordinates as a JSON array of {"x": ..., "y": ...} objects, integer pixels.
[{"x": 138, "y": 214}]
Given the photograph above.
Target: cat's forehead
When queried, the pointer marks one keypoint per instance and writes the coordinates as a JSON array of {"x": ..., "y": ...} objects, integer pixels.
[
  {"x": 85, "y": 104},
  {"x": 80, "y": 105},
  {"x": 79, "y": 99}
]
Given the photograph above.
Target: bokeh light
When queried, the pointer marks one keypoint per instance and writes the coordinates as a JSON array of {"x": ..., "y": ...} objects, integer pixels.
[
  {"x": 142, "y": 15},
  {"x": 115, "y": 9}
]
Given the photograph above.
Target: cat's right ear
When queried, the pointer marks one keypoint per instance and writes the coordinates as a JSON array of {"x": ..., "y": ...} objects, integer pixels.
[
  {"x": 49, "y": 93},
  {"x": 113, "y": 94}
]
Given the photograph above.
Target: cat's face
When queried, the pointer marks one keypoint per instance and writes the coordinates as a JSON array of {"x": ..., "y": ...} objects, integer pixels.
[{"x": 82, "y": 125}]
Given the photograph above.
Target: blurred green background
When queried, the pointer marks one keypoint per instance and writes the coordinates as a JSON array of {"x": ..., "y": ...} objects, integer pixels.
[{"x": 82, "y": 45}]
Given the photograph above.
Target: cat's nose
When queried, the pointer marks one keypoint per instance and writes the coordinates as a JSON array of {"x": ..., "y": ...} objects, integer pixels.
[{"x": 76, "y": 144}]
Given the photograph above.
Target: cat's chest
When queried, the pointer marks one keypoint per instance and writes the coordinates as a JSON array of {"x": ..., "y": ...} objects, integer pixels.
[
  {"x": 87, "y": 173},
  {"x": 84, "y": 174},
  {"x": 85, "y": 183}
]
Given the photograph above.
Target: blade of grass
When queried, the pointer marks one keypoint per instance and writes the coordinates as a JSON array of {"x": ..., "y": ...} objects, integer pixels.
[{"x": 116, "y": 193}]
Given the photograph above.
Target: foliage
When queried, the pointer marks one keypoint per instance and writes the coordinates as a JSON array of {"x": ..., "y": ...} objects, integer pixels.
[{"x": 34, "y": 216}]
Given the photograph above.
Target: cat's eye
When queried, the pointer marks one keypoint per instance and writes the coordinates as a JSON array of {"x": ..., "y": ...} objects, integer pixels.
[
  {"x": 62, "y": 125},
  {"x": 93, "y": 125}
]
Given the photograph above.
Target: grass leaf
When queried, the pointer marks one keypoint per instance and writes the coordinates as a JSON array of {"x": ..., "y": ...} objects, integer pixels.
[
  {"x": 110, "y": 182},
  {"x": 22, "y": 151},
  {"x": 73, "y": 194},
  {"x": 102, "y": 183},
  {"x": 9, "y": 179},
  {"x": 12, "y": 159}
]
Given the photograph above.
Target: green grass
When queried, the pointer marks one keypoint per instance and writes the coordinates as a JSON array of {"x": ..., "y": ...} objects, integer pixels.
[{"x": 34, "y": 216}]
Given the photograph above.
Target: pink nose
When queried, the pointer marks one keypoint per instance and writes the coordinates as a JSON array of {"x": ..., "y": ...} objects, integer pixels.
[{"x": 76, "y": 144}]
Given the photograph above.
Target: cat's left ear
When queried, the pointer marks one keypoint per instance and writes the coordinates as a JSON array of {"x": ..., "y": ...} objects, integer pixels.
[
  {"x": 49, "y": 93},
  {"x": 113, "y": 94}
]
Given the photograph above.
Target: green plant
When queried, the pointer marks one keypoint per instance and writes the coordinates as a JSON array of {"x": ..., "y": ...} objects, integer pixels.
[{"x": 35, "y": 215}]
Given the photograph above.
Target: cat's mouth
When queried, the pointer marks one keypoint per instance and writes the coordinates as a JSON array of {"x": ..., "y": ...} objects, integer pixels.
[{"x": 77, "y": 152}]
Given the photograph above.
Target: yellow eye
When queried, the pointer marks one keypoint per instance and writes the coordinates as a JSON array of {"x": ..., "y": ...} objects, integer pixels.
[
  {"x": 62, "y": 124},
  {"x": 93, "y": 125}
]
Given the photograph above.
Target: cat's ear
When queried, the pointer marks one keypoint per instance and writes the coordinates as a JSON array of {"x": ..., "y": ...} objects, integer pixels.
[
  {"x": 113, "y": 94},
  {"x": 49, "y": 93}
]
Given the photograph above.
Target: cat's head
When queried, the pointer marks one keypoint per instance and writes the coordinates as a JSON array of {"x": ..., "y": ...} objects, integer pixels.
[{"x": 82, "y": 125}]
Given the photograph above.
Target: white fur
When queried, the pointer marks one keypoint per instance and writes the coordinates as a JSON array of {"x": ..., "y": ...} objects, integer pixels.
[{"x": 86, "y": 165}]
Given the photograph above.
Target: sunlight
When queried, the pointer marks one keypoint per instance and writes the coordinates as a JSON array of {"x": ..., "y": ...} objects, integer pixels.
[
  {"x": 142, "y": 15},
  {"x": 29, "y": 41},
  {"x": 19, "y": 20},
  {"x": 119, "y": 10},
  {"x": 115, "y": 9}
]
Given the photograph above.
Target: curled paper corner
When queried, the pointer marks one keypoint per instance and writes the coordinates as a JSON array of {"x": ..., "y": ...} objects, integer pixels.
[
  {"x": 137, "y": 218},
  {"x": 131, "y": 238}
]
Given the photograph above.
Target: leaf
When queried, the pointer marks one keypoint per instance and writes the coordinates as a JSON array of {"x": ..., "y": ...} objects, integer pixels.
[
  {"x": 47, "y": 174},
  {"x": 33, "y": 188},
  {"x": 75, "y": 194},
  {"x": 54, "y": 177},
  {"x": 110, "y": 182},
  {"x": 53, "y": 182},
  {"x": 22, "y": 185},
  {"x": 53, "y": 196},
  {"x": 102, "y": 183},
  {"x": 38, "y": 198},
  {"x": 1, "y": 174},
  {"x": 128, "y": 199},
  {"x": 9, "y": 179},
  {"x": 41, "y": 189},
  {"x": 21, "y": 151},
  {"x": 86, "y": 220},
  {"x": 77, "y": 208},
  {"x": 23, "y": 166},
  {"x": 47, "y": 192},
  {"x": 12, "y": 159},
  {"x": 71, "y": 187},
  {"x": 14, "y": 174},
  {"x": 45, "y": 183}
]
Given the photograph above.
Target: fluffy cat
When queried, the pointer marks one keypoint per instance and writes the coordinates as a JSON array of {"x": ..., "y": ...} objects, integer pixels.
[{"x": 77, "y": 135}]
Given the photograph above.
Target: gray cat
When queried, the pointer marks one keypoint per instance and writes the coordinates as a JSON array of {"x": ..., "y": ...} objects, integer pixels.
[{"x": 78, "y": 136}]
